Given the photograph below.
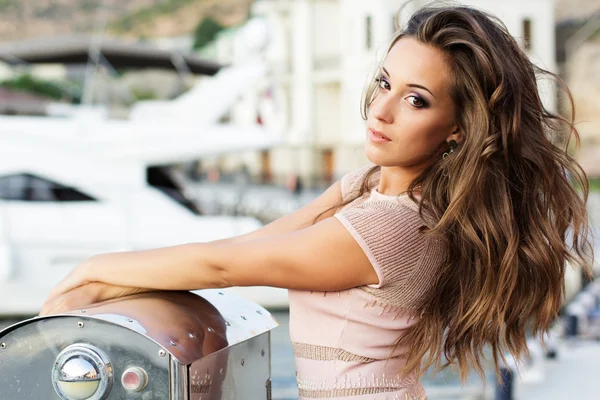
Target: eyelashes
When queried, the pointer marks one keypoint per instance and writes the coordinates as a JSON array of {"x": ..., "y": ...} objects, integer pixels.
[
  {"x": 417, "y": 101},
  {"x": 413, "y": 99},
  {"x": 382, "y": 83}
]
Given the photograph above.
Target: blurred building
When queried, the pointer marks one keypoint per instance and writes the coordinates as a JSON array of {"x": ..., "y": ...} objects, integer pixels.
[
  {"x": 578, "y": 57},
  {"x": 323, "y": 52}
]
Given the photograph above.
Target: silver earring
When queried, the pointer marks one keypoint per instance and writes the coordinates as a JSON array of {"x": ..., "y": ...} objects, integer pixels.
[{"x": 452, "y": 144}]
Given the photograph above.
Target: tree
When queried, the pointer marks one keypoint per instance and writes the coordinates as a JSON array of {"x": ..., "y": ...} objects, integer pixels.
[
  {"x": 206, "y": 31},
  {"x": 28, "y": 83}
]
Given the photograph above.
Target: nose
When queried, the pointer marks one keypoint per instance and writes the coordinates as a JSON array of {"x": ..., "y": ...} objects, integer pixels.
[{"x": 382, "y": 108}]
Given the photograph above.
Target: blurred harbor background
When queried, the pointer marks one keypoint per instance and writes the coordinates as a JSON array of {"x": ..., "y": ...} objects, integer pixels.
[{"x": 134, "y": 124}]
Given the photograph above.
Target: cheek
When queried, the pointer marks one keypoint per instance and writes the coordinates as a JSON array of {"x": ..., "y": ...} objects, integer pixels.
[
  {"x": 417, "y": 136},
  {"x": 425, "y": 131}
]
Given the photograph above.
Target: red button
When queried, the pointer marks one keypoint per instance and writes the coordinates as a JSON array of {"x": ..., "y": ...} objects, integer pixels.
[{"x": 134, "y": 379}]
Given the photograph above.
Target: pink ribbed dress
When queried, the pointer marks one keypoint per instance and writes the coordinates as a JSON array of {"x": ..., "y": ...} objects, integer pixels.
[{"x": 344, "y": 341}]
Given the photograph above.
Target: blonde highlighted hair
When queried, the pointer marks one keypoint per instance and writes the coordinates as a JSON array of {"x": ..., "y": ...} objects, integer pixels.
[{"x": 510, "y": 201}]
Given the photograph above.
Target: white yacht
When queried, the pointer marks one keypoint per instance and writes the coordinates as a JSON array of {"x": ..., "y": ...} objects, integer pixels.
[
  {"x": 76, "y": 183},
  {"x": 71, "y": 188}
]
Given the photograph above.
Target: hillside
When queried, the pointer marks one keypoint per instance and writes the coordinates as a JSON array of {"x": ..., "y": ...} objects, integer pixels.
[
  {"x": 179, "y": 17},
  {"x": 20, "y": 19}
]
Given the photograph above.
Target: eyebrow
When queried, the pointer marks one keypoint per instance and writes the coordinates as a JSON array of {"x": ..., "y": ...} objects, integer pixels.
[{"x": 413, "y": 85}]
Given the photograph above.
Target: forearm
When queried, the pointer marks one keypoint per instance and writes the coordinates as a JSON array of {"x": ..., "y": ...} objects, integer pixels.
[
  {"x": 289, "y": 223},
  {"x": 183, "y": 267}
]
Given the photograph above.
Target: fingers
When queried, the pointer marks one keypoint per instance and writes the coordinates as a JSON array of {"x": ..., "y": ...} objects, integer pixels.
[
  {"x": 50, "y": 306},
  {"x": 73, "y": 280},
  {"x": 54, "y": 305},
  {"x": 85, "y": 295},
  {"x": 74, "y": 299}
]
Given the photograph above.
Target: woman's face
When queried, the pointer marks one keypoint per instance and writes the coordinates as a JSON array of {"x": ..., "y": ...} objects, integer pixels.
[{"x": 412, "y": 117}]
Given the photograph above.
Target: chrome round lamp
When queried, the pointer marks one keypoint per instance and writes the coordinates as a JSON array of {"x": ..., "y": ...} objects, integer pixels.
[{"x": 82, "y": 372}]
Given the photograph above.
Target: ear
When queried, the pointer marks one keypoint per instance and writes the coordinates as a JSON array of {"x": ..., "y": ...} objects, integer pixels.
[{"x": 456, "y": 135}]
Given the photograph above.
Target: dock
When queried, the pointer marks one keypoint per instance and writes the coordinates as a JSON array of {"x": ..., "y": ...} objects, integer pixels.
[{"x": 573, "y": 374}]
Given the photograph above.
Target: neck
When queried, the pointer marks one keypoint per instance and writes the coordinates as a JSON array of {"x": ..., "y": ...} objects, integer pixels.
[{"x": 395, "y": 180}]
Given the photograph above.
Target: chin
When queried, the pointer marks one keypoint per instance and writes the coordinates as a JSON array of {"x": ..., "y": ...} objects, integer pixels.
[{"x": 378, "y": 157}]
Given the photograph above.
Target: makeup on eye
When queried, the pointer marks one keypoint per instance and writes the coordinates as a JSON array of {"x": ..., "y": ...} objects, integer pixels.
[
  {"x": 417, "y": 102},
  {"x": 383, "y": 83},
  {"x": 385, "y": 74},
  {"x": 421, "y": 103}
]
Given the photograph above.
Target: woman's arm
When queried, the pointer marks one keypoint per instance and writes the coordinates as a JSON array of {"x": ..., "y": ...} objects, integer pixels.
[
  {"x": 322, "y": 257},
  {"x": 226, "y": 262}
]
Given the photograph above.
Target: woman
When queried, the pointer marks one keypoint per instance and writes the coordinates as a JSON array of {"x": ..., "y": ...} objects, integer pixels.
[{"x": 455, "y": 240}]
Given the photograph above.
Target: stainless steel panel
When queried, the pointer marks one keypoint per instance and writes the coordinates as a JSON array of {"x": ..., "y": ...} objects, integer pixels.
[
  {"x": 240, "y": 372},
  {"x": 179, "y": 381},
  {"x": 185, "y": 324},
  {"x": 31, "y": 349},
  {"x": 215, "y": 345},
  {"x": 188, "y": 325},
  {"x": 243, "y": 318}
]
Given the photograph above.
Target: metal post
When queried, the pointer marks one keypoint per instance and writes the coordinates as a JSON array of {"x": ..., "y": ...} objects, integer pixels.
[
  {"x": 504, "y": 389},
  {"x": 94, "y": 52},
  {"x": 572, "y": 326},
  {"x": 183, "y": 70}
]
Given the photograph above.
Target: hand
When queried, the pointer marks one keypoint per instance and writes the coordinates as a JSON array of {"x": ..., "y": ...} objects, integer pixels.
[
  {"x": 76, "y": 278},
  {"x": 85, "y": 295}
]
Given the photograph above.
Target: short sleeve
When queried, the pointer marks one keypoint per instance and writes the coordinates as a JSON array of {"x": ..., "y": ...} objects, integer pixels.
[
  {"x": 353, "y": 181},
  {"x": 390, "y": 236}
]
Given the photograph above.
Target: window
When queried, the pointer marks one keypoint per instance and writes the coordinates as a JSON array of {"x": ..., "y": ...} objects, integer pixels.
[
  {"x": 527, "y": 34},
  {"x": 369, "y": 32},
  {"x": 265, "y": 166},
  {"x": 226, "y": 118},
  {"x": 328, "y": 165},
  {"x": 28, "y": 187},
  {"x": 162, "y": 178}
]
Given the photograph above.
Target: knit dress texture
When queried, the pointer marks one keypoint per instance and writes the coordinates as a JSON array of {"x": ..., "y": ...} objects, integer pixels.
[{"x": 344, "y": 342}]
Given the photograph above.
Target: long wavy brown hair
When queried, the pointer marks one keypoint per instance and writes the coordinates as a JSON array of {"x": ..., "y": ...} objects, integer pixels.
[{"x": 510, "y": 201}]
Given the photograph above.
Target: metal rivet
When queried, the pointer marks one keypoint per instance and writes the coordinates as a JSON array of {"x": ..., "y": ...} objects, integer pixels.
[
  {"x": 259, "y": 312},
  {"x": 191, "y": 335},
  {"x": 162, "y": 353},
  {"x": 262, "y": 353},
  {"x": 222, "y": 294},
  {"x": 80, "y": 324},
  {"x": 129, "y": 320},
  {"x": 243, "y": 362},
  {"x": 2, "y": 345},
  {"x": 244, "y": 318},
  {"x": 227, "y": 323},
  {"x": 221, "y": 371},
  {"x": 210, "y": 330},
  {"x": 172, "y": 343}
]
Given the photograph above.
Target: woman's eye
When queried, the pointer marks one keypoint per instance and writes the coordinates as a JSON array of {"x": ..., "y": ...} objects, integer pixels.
[
  {"x": 416, "y": 101},
  {"x": 383, "y": 84}
]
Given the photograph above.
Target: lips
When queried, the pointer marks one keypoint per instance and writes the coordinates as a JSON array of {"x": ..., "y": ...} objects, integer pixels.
[{"x": 378, "y": 137}]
